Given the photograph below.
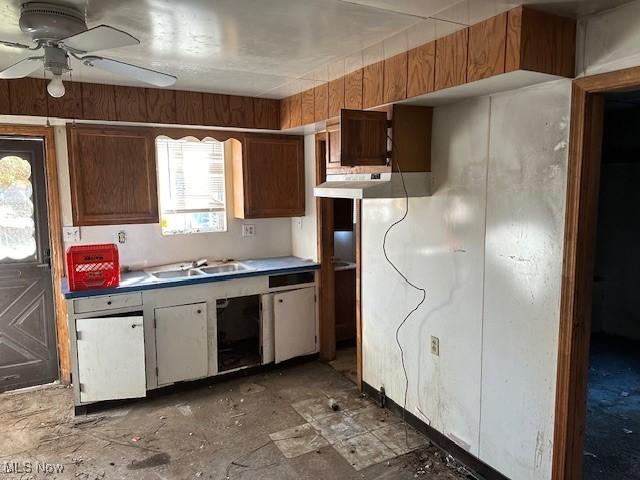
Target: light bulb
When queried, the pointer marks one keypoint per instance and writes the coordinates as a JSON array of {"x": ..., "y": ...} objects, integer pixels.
[{"x": 56, "y": 87}]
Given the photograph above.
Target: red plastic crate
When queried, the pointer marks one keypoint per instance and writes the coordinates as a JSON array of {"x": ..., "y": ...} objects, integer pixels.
[{"x": 93, "y": 266}]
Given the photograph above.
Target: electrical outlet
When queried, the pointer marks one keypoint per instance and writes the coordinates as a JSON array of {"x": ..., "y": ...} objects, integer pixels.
[
  {"x": 71, "y": 234},
  {"x": 248, "y": 230},
  {"x": 435, "y": 346},
  {"x": 122, "y": 237}
]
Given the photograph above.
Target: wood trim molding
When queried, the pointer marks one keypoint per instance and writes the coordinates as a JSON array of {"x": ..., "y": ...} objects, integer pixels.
[
  {"x": 55, "y": 237},
  {"x": 358, "y": 208},
  {"x": 583, "y": 175}
]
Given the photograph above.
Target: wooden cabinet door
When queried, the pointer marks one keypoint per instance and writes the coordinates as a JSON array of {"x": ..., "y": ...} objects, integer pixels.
[
  {"x": 294, "y": 323},
  {"x": 363, "y": 138},
  {"x": 181, "y": 343},
  {"x": 271, "y": 180},
  {"x": 342, "y": 215},
  {"x": 333, "y": 149},
  {"x": 110, "y": 358},
  {"x": 113, "y": 175}
]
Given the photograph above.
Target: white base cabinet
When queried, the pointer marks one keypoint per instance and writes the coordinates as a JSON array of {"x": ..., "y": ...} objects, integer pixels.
[
  {"x": 111, "y": 361},
  {"x": 294, "y": 319},
  {"x": 181, "y": 343}
]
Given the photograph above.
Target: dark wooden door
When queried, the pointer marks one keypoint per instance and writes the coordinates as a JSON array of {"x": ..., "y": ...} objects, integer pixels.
[
  {"x": 273, "y": 171},
  {"x": 28, "y": 350},
  {"x": 363, "y": 138}
]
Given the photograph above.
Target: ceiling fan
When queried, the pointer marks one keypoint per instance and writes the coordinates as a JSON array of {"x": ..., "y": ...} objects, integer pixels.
[{"x": 61, "y": 31}]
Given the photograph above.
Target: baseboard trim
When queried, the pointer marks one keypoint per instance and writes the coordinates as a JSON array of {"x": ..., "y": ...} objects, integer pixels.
[{"x": 480, "y": 469}]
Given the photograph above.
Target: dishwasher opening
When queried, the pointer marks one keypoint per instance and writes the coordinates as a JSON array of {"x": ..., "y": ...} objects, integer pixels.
[{"x": 238, "y": 332}]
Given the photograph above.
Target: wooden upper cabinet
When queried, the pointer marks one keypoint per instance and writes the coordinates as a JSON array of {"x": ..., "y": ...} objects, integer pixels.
[
  {"x": 266, "y": 113},
  {"x": 333, "y": 149},
  {"x": 69, "y": 105},
  {"x": 363, "y": 138},
  {"x": 353, "y": 90},
  {"x": 295, "y": 110},
  {"x": 131, "y": 104},
  {"x": 161, "y": 105},
  {"x": 487, "y": 48},
  {"x": 268, "y": 177},
  {"x": 285, "y": 113},
  {"x": 321, "y": 102},
  {"x": 5, "y": 102},
  {"x": 189, "y": 108},
  {"x": 451, "y": 59},
  {"x": 308, "y": 106},
  {"x": 113, "y": 175},
  {"x": 336, "y": 97},
  {"x": 411, "y": 132}
]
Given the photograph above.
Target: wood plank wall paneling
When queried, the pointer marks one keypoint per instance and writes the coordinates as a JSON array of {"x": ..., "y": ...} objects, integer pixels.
[
  {"x": 98, "y": 101},
  {"x": 161, "y": 105},
  {"x": 421, "y": 69},
  {"x": 131, "y": 104},
  {"x": 216, "y": 109},
  {"x": 241, "y": 111},
  {"x": 540, "y": 42},
  {"x": 189, "y": 108},
  {"x": 487, "y": 48},
  {"x": 266, "y": 113},
  {"x": 353, "y": 90},
  {"x": 28, "y": 96},
  {"x": 336, "y": 97},
  {"x": 395, "y": 78},
  {"x": 296, "y": 110},
  {"x": 451, "y": 59},
  {"x": 308, "y": 106},
  {"x": 321, "y": 102},
  {"x": 5, "y": 102},
  {"x": 285, "y": 113},
  {"x": 372, "y": 85},
  {"x": 69, "y": 105}
]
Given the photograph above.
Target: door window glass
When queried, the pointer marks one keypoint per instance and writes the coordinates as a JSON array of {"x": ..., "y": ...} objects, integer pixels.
[{"x": 17, "y": 226}]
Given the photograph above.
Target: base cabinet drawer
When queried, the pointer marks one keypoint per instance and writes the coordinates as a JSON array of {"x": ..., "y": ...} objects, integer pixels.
[
  {"x": 107, "y": 302},
  {"x": 111, "y": 362}
]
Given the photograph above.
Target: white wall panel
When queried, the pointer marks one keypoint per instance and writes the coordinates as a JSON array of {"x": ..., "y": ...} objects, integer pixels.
[
  {"x": 441, "y": 247},
  {"x": 609, "y": 40},
  {"x": 524, "y": 245},
  {"x": 304, "y": 229}
]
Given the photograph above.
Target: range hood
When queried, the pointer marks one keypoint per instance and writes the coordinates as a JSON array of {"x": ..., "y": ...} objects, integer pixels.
[{"x": 375, "y": 185}]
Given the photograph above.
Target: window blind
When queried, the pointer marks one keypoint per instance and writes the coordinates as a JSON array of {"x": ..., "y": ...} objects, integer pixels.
[{"x": 191, "y": 175}]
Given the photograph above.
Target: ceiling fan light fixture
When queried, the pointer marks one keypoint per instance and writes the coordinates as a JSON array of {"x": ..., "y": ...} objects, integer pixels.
[{"x": 56, "y": 87}]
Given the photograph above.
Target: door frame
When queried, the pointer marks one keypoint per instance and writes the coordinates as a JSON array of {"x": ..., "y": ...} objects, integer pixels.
[
  {"x": 327, "y": 307},
  {"x": 55, "y": 235},
  {"x": 581, "y": 221}
]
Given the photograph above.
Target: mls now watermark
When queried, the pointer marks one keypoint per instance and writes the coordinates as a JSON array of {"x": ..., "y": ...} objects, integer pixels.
[{"x": 32, "y": 467}]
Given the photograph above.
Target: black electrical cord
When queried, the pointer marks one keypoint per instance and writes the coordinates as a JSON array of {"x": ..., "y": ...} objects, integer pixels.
[{"x": 407, "y": 281}]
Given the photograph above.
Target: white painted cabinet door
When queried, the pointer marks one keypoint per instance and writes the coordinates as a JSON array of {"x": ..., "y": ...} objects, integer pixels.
[
  {"x": 181, "y": 343},
  {"x": 110, "y": 358},
  {"x": 295, "y": 323}
]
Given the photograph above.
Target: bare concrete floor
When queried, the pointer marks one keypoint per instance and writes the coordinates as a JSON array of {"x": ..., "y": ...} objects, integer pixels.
[{"x": 266, "y": 426}]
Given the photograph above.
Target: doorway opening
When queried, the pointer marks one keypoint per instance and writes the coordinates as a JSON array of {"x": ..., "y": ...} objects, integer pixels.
[
  {"x": 339, "y": 233},
  {"x": 28, "y": 348},
  {"x": 612, "y": 433}
]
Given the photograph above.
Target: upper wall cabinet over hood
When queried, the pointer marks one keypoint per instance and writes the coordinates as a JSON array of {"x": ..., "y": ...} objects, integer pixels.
[
  {"x": 375, "y": 185},
  {"x": 365, "y": 154}
]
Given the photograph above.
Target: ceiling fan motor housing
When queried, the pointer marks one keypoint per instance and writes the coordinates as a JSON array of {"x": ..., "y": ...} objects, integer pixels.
[{"x": 44, "y": 21}]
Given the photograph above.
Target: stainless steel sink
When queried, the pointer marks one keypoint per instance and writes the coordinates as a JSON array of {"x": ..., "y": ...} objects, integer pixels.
[
  {"x": 192, "y": 272},
  {"x": 224, "y": 268}
]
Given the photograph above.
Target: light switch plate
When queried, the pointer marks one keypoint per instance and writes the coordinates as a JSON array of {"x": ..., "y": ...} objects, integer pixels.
[
  {"x": 248, "y": 230},
  {"x": 435, "y": 346},
  {"x": 71, "y": 234}
]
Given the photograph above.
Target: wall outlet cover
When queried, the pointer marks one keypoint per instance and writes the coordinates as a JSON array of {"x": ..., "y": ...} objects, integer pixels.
[
  {"x": 248, "y": 230},
  {"x": 71, "y": 234}
]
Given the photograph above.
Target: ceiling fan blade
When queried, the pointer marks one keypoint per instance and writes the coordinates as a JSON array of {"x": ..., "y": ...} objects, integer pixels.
[
  {"x": 145, "y": 75},
  {"x": 22, "y": 68},
  {"x": 101, "y": 37},
  {"x": 16, "y": 45}
]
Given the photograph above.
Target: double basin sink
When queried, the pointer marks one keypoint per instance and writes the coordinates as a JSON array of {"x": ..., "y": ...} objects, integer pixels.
[{"x": 227, "y": 267}]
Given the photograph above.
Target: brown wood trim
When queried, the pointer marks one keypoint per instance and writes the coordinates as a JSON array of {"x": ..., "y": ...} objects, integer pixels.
[
  {"x": 358, "y": 208},
  {"x": 55, "y": 237},
  {"x": 324, "y": 217},
  {"x": 578, "y": 264}
]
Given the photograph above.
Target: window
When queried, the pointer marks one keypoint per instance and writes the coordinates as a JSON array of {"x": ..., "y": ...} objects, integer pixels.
[{"x": 191, "y": 184}]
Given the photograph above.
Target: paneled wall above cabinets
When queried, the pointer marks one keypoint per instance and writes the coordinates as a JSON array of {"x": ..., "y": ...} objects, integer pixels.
[
  {"x": 94, "y": 101},
  {"x": 520, "y": 39}
]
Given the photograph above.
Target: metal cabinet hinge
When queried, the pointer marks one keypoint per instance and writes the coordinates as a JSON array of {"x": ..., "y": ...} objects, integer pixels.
[
  {"x": 157, "y": 372},
  {"x": 81, "y": 387},
  {"x": 78, "y": 336}
]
